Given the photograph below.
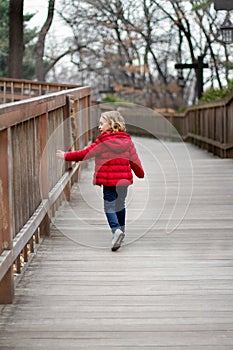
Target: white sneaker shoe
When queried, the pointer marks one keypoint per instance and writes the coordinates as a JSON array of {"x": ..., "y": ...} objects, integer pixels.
[{"x": 117, "y": 239}]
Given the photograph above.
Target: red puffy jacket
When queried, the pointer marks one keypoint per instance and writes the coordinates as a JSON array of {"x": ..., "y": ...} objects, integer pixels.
[{"x": 115, "y": 155}]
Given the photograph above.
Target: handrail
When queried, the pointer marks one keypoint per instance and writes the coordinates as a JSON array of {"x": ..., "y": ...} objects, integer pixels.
[
  {"x": 27, "y": 201},
  {"x": 12, "y": 90},
  {"x": 210, "y": 126}
]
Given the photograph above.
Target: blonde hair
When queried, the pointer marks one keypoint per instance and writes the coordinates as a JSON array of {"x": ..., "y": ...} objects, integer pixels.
[{"x": 115, "y": 120}]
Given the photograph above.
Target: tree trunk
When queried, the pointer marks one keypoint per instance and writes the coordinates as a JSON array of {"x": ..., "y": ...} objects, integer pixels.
[
  {"x": 16, "y": 44},
  {"x": 39, "y": 49}
]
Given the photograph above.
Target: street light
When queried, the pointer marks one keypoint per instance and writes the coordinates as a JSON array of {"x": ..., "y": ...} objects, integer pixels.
[
  {"x": 227, "y": 30},
  {"x": 180, "y": 80},
  {"x": 227, "y": 26}
]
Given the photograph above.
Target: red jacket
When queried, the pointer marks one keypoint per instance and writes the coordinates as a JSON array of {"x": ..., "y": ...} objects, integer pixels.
[{"x": 115, "y": 155}]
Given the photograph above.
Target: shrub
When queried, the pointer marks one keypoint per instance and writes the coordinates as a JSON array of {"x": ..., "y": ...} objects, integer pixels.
[
  {"x": 112, "y": 98},
  {"x": 216, "y": 94}
]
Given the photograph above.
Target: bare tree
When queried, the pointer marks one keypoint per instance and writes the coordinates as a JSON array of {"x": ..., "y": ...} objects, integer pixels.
[
  {"x": 198, "y": 26},
  {"x": 135, "y": 44},
  {"x": 40, "y": 46},
  {"x": 16, "y": 45}
]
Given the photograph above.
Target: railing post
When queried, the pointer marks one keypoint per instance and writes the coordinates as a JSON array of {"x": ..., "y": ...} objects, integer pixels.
[
  {"x": 6, "y": 229},
  {"x": 225, "y": 140},
  {"x": 68, "y": 137},
  {"x": 4, "y": 93},
  {"x": 43, "y": 139},
  {"x": 90, "y": 132}
]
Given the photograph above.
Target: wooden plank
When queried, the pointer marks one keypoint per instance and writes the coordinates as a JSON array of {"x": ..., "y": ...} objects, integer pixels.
[
  {"x": 5, "y": 201},
  {"x": 25, "y": 234},
  {"x": 13, "y": 113},
  {"x": 6, "y": 227},
  {"x": 211, "y": 142},
  {"x": 159, "y": 291}
]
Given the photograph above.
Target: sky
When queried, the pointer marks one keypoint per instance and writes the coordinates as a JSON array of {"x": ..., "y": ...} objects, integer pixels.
[
  {"x": 57, "y": 34},
  {"x": 40, "y": 9}
]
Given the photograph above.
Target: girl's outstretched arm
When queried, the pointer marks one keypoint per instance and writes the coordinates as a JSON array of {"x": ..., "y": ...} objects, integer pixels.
[{"x": 76, "y": 156}]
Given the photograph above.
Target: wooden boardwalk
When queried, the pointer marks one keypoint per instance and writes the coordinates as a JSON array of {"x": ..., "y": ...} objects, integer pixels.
[{"x": 167, "y": 288}]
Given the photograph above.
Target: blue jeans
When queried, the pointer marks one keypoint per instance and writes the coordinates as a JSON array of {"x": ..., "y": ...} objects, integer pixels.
[{"x": 114, "y": 206}]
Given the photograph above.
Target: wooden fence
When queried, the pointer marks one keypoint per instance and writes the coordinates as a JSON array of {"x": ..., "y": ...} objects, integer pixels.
[
  {"x": 32, "y": 185},
  {"x": 210, "y": 126},
  {"x": 32, "y": 181},
  {"x": 12, "y": 90}
]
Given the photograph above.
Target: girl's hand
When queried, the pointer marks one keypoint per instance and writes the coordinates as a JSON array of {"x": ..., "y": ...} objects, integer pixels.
[{"x": 60, "y": 154}]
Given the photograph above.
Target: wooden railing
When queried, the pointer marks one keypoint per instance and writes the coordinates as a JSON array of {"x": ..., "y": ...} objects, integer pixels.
[
  {"x": 143, "y": 121},
  {"x": 32, "y": 184},
  {"x": 210, "y": 126},
  {"x": 12, "y": 90}
]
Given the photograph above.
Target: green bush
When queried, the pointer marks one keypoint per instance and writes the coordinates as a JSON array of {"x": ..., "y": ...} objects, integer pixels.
[
  {"x": 216, "y": 94},
  {"x": 112, "y": 98}
]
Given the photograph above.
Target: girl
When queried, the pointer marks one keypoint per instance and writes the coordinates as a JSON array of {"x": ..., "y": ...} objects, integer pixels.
[{"x": 115, "y": 158}]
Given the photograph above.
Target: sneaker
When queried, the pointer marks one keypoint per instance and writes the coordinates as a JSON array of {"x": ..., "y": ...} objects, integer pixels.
[
  {"x": 117, "y": 239},
  {"x": 123, "y": 237}
]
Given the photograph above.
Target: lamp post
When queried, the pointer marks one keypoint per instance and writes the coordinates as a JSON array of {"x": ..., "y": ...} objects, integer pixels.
[
  {"x": 227, "y": 30},
  {"x": 227, "y": 26},
  {"x": 180, "y": 80}
]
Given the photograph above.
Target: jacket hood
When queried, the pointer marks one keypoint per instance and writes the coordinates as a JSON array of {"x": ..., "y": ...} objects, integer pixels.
[{"x": 116, "y": 142}]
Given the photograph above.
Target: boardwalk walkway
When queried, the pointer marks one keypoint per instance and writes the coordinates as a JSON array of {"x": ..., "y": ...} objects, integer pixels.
[{"x": 164, "y": 289}]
